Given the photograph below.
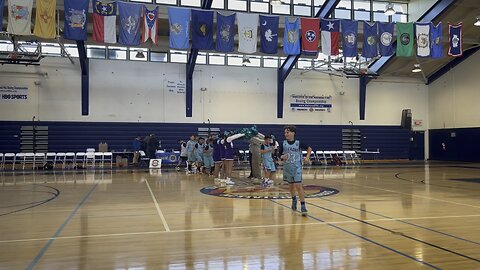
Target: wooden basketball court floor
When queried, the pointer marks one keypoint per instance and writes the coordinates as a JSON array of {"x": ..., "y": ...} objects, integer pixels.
[{"x": 385, "y": 217}]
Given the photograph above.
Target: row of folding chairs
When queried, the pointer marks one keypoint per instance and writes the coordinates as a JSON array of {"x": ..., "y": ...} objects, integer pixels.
[
  {"x": 63, "y": 159},
  {"x": 347, "y": 156}
]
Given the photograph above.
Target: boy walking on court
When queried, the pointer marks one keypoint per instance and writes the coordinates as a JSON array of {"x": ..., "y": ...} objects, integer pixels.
[
  {"x": 266, "y": 149},
  {"x": 291, "y": 153}
]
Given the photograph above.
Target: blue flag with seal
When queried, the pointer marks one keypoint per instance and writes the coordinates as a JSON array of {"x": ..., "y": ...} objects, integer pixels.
[
  {"x": 455, "y": 40},
  {"x": 291, "y": 37},
  {"x": 130, "y": 21},
  {"x": 370, "y": 44},
  {"x": 75, "y": 23},
  {"x": 269, "y": 34},
  {"x": 202, "y": 29},
  {"x": 225, "y": 33},
  {"x": 385, "y": 38},
  {"x": 349, "y": 38},
  {"x": 436, "y": 40},
  {"x": 179, "y": 23}
]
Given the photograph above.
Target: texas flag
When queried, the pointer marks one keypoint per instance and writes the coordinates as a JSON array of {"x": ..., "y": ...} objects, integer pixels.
[
  {"x": 330, "y": 36},
  {"x": 150, "y": 25},
  {"x": 104, "y": 21}
]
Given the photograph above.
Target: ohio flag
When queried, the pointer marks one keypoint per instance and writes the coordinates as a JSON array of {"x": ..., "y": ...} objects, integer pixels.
[
  {"x": 104, "y": 21},
  {"x": 330, "y": 36},
  {"x": 150, "y": 25}
]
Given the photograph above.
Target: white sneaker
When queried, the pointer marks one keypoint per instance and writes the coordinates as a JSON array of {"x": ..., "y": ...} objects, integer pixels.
[
  {"x": 229, "y": 182},
  {"x": 269, "y": 182}
]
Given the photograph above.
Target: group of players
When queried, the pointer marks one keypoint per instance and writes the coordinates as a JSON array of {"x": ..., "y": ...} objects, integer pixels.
[{"x": 215, "y": 157}]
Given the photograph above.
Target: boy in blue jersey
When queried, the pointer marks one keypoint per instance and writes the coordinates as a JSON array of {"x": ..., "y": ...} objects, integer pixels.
[
  {"x": 266, "y": 150},
  {"x": 191, "y": 152},
  {"x": 291, "y": 153}
]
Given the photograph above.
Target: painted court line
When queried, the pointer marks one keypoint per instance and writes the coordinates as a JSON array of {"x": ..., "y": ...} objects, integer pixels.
[
  {"x": 413, "y": 195},
  {"x": 218, "y": 229},
  {"x": 158, "y": 208},
  {"x": 44, "y": 249}
]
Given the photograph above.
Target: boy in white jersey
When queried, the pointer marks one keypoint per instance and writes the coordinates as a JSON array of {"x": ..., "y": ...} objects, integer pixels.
[{"x": 291, "y": 153}]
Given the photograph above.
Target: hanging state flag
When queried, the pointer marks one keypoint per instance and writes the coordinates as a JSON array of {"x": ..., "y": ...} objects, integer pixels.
[
  {"x": 436, "y": 40},
  {"x": 422, "y": 32},
  {"x": 179, "y": 21},
  {"x": 269, "y": 34},
  {"x": 330, "y": 36},
  {"x": 104, "y": 21},
  {"x": 310, "y": 35},
  {"x": 385, "y": 38},
  {"x": 225, "y": 33},
  {"x": 247, "y": 32},
  {"x": 2, "y": 5},
  {"x": 370, "y": 44},
  {"x": 75, "y": 24},
  {"x": 130, "y": 20},
  {"x": 20, "y": 17},
  {"x": 202, "y": 29},
  {"x": 350, "y": 38},
  {"x": 45, "y": 19},
  {"x": 455, "y": 40},
  {"x": 291, "y": 37},
  {"x": 404, "y": 39},
  {"x": 150, "y": 25}
]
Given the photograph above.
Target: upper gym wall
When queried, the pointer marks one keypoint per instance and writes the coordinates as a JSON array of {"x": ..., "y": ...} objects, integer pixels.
[
  {"x": 128, "y": 91},
  {"x": 453, "y": 98}
]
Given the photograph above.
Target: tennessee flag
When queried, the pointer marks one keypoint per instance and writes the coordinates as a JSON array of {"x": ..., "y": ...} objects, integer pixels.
[
  {"x": 45, "y": 19},
  {"x": 104, "y": 21},
  {"x": 310, "y": 35},
  {"x": 150, "y": 25}
]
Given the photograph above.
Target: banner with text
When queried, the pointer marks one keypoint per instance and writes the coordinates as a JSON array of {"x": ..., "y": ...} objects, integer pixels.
[
  {"x": 311, "y": 103},
  {"x": 13, "y": 93}
]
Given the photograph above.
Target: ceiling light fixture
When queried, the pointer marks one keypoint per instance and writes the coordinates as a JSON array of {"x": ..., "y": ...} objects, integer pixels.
[
  {"x": 416, "y": 68},
  {"x": 389, "y": 11},
  {"x": 140, "y": 54},
  {"x": 477, "y": 23}
]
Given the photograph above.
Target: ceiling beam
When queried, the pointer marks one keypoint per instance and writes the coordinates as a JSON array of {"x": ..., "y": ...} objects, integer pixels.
[{"x": 192, "y": 59}]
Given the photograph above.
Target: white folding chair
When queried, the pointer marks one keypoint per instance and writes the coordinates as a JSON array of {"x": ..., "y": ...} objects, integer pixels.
[
  {"x": 90, "y": 158},
  {"x": 144, "y": 160},
  {"x": 9, "y": 158},
  {"x": 59, "y": 158},
  {"x": 2, "y": 161},
  {"x": 19, "y": 157},
  {"x": 108, "y": 157},
  {"x": 247, "y": 154},
  {"x": 50, "y": 157},
  {"x": 99, "y": 158},
  {"x": 70, "y": 159},
  {"x": 328, "y": 155},
  {"x": 320, "y": 157},
  {"x": 341, "y": 155},
  {"x": 39, "y": 159},
  {"x": 80, "y": 159},
  {"x": 349, "y": 156}
]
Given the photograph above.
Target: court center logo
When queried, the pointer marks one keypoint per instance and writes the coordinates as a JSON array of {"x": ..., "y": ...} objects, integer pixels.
[{"x": 273, "y": 192}]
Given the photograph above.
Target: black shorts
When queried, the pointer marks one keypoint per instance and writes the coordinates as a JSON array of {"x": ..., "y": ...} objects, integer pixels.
[{"x": 183, "y": 158}]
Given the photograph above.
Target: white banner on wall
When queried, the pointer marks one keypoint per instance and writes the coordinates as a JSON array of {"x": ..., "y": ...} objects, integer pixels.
[
  {"x": 175, "y": 87},
  {"x": 10, "y": 93},
  {"x": 311, "y": 103}
]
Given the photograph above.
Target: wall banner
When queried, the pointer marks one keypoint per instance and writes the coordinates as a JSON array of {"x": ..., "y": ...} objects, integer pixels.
[
  {"x": 9, "y": 93},
  {"x": 311, "y": 103}
]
